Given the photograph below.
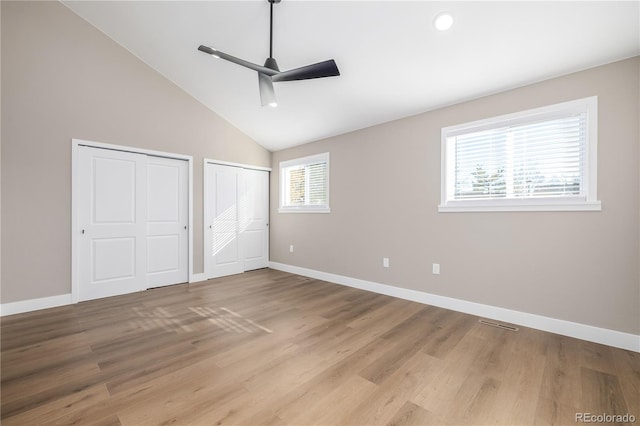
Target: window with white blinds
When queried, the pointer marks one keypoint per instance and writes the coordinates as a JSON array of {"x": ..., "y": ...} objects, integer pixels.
[
  {"x": 304, "y": 184},
  {"x": 541, "y": 159}
]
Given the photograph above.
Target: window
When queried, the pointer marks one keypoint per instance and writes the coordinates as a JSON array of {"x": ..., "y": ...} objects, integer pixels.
[
  {"x": 541, "y": 159},
  {"x": 304, "y": 184}
]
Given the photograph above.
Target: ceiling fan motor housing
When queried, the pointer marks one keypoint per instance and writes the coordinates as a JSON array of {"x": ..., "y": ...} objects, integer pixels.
[{"x": 272, "y": 64}]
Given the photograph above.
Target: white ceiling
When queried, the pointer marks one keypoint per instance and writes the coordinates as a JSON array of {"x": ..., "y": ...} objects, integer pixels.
[{"x": 393, "y": 62}]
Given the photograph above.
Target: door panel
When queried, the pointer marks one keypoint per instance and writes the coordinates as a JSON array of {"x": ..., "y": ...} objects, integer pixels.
[
  {"x": 113, "y": 258},
  {"x": 111, "y": 214},
  {"x": 255, "y": 228},
  {"x": 114, "y": 191},
  {"x": 223, "y": 253},
  {"x": 237, "y": 219},
  {"x": 167, "y": 220},
  {"x": 163, "y": 254}
]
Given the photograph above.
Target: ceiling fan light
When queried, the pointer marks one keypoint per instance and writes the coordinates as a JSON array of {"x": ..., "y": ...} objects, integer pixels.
[
  {"x": 443, "y": 21},
  {"x": 273, "y": 104}
]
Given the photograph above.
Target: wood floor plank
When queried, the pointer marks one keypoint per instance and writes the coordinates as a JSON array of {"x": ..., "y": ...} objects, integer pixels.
[
  {"x": 523, "y": 377},
  {"x": 597, "y": 357},
  {"x": 561, "y": 380},
  {"x": 272, "y": 348},
  {"x": 342, "y": 399},
  {"x": 553, "y": 412},
  {"x": 387, "y": 400},
  {"x": 475, "y": 399},
  {"x": 29, "y": 361},
  {"x": 439, "y": 392},
  {"x": 52, "y": 411},
  {"x": 19, "y": 398},
  {"x": 297, "y": 400},
  {"x": 627, "y": 365},
  {"x": 411, "y": 414},
  {"x": 601, "y": 393}
]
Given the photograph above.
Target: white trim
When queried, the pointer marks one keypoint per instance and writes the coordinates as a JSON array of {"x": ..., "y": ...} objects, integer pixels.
[
  {"x": 35, "y": 304},
  {"x": 61, "y": 300},
  {"x": 75, "y": 144},
  {"x": 304, "y": 209},
  {"x": 304, "y": 161},
  {"x": 190, "y": 253},
  {"x": 324, "y": 157},
  {"x": 196, "y": 278},
  {"x": 594, "y": 206},
  {"x": 588, "y": 201},
  {"x": 242, "y": 166},
  {"x": 75, "y": 187},
  {"x": 566, "y": 328},
  {"x": 78, "y": 142}
]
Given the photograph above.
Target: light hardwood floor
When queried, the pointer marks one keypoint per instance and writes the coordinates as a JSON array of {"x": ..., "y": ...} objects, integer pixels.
[{"x": 267, "y": 347}]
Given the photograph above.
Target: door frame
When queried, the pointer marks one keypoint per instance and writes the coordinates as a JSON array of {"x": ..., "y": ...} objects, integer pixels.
[
  {"x": 205, "y": 204},
  {"x": 75, "y": 187}
]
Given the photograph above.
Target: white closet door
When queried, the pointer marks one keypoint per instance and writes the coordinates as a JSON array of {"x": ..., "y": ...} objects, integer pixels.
[
  {"x": 111, "y": 217},
  {"x": 167, "y": 220},
  {"x": 223, "y": 251},
  {"x": 255, "y": 220}
]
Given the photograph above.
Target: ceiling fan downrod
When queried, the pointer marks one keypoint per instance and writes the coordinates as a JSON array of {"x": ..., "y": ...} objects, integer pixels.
[{"x": 271, "y": 62}]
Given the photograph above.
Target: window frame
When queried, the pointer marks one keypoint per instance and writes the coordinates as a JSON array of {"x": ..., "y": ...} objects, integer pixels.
[
  {"x": 587, "y": 201},
  {"x": 304, "y": 161}
]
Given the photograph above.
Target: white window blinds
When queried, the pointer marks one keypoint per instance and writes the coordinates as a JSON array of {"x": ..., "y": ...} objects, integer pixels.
[
  {"x": 305, "y": 184},
  {"x": 547, "y": 154},
  {"x": 542, "y": 159}
]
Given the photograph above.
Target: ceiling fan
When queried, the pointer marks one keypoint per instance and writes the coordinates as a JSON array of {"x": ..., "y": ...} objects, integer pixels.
[{"x": 269, "y": 72}]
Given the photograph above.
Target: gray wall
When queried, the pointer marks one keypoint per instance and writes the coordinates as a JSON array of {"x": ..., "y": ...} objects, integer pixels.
[
  {"x": 385, "y": 189},
  {"x": 63, "y": 79}
]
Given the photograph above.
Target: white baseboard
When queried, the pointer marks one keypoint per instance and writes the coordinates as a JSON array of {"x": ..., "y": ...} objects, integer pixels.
[
  {"x": 566, "y": 328},
  {"x": 35, "y": 304},
  {"x": 55, "y": 301}
]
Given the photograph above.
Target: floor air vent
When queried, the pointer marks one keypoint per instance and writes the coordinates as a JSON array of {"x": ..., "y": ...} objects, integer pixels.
[{"x": 497, "y": 324}]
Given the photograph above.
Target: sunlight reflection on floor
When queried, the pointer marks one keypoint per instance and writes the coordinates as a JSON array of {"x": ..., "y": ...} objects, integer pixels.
[{"x": 223, "y": 318}]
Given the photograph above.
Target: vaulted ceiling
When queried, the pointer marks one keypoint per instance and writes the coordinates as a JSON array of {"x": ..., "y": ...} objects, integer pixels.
[{"x": 393, "y": 62}]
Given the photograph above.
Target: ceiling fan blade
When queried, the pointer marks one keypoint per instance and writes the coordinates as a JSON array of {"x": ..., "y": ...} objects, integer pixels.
[
  {"x": 218, "y": 54},
  {"x": 267, "y": 94},
  {"x": 318, "y": 70}
]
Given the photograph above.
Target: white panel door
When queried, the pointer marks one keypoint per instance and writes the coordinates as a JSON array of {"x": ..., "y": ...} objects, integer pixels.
[
  {"x": 167, "y": 220},
  {"x": 223, "y": 251},
  {"x": 254, "y": 224},
  {"x": 111, "y": 219}
]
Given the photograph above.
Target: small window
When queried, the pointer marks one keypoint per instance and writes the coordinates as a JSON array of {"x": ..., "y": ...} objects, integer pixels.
[
  {"x": 541, "y": 159},
  {"x": 304, "y": 185}
]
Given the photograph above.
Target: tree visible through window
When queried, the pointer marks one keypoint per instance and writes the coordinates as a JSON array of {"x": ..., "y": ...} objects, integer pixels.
[
  {"x": 304, "y": 184},
  {"x": 542, "y": 156}
]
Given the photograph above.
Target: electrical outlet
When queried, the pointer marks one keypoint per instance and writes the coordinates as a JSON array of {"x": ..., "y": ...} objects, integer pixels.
[
  {"x": 385, "y": 262},
  {"x": 291, "y": 248},
  {"x": 436, "y": 269}
]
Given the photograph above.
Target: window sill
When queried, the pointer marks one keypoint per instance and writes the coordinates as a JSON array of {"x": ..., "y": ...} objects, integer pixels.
[
  {"x": 304, "y": 210},
  {"x": 520, "y": 207}
]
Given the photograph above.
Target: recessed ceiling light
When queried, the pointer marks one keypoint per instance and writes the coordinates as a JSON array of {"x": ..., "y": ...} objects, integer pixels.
[{"x": 443, "y": 21}]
